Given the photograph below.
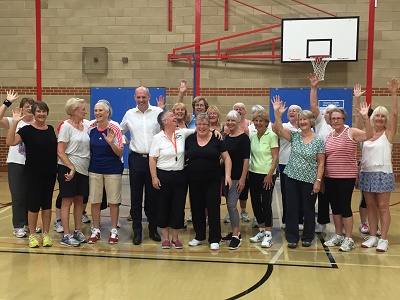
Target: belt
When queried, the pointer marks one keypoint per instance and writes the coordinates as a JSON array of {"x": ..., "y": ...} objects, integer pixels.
[{"x": 144, "y": 155}]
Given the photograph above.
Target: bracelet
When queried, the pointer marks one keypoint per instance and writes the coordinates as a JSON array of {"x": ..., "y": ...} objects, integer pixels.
[
  {"x": 7, "y": 103},
  {"x": 318, "y": 179}
]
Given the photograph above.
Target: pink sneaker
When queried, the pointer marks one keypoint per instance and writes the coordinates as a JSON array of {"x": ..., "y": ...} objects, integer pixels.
[
  {"x": 177, "y": 244},
  {"x": 94, "y": 237},
  {"x": 363, "y": 228},
  {"x": 166, "y": 244}
]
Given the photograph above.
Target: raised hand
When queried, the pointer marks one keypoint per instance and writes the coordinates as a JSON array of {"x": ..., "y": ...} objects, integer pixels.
[
  {"x": 109, "y": 138},
  {"x": 363, "y": 111},
  {"x": 182, "y": 86},
  {"x": 17, "y": 115},
  {"x": 278, "y": 105},
  {"x": 393, "y": 85},
  {"x": 12, "y": 96},
  {"x": 160, "y": 102},
  {"x": 313, "y": 80},
  {"x": 357, "y": 91}
]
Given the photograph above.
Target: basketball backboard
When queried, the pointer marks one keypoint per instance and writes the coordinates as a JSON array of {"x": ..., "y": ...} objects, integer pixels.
[{"x": 334, "y": 37}]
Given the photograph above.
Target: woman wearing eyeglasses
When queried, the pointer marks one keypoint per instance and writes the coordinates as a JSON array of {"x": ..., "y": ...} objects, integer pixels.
[
  {"x": 303, "y": 171},
  {"x": 204, "y": 151},
  {"x": 341, "y": 172}
]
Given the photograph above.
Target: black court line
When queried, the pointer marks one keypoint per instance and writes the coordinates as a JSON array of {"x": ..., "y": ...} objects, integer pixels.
[
  {"x": 164, "y": 259},
  {"x": 328, "y": 252},
  {"x": 257, "y": 285}
]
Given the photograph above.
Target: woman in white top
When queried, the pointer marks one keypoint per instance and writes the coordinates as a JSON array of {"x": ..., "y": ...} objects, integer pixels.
[
  {"x": 376, "y": 175},
  {"x": 166, "y": 162},
  {"x": 16, "y": 163},
  {"x": 73, "y": 151}
]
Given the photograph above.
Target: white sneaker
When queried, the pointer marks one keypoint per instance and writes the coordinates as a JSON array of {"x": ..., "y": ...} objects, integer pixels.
[
  {"x": 195, "y": 242},
  {"x": 383, "y": 245},
  {"x": 189, "y": 218},
  {"x": 58, "y": 226},
  {"x": 259, "y": 237},
  {"x": 372, "y": 241},
  {"x": 347, "y": 245},
  {"x": 227, "y": 219},
  {"x": 267, "y": 241},
  {"x": 245, "y": 216},
  {"x": 254, "y": 224},
  {"x": 301, "y": 227},
  {"x": 214, "y": 246},
  {"x": 283, "y": 226},
  {"x": 19, "y": 232},
  {"x": 319, "y": 228},
  {"x": 363, "y": 228},
  {"x": 119, "y": 225},
  {"x": 336, "y": 240}
]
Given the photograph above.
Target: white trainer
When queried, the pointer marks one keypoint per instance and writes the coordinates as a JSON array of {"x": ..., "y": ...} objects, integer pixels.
[
  {"x": 245, "y": 216},
  {"x": 195, "y": 242},
  {"x": 372, "y": 241},
  {"x": 19, "y": 232},
  {"x": 383, "y": 245},
  {"x": 347, "y": 245},
  {"x": 214, "y": 246},
  {"x": 259, "y": 237},
  {"x": 301, "y": 227},
  {"x": 267, "y": 241},
  {"x": 336, "y": 240}
]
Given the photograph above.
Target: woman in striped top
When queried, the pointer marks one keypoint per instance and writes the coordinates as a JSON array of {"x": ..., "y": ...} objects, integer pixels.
[{"x": 341, "y": 172}]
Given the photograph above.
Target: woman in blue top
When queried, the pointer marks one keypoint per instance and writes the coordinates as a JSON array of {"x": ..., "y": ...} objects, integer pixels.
[
  {"x": 105, "y": 169},
  {"x": 304, "y": 172}
]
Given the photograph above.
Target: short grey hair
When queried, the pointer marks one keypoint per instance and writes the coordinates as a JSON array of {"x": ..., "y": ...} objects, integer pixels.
[
  {"x": 339, "y": 110},
  {"x": 234, "y": 115},
  {"x": 107, "y": 105},
  {"x": 256, "y": 108}
]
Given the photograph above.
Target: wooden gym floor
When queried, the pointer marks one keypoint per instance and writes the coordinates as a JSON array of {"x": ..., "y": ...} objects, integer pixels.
[{"x": 125, "y": 271}]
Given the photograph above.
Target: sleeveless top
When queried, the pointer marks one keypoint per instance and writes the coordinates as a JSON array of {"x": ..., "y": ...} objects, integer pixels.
[
  {"x": 377, "y": 155},
  {"x": 341, "y": 156}
]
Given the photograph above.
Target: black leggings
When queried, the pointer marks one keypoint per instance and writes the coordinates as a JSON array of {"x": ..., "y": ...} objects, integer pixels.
[{"x": 339, "y": 192}]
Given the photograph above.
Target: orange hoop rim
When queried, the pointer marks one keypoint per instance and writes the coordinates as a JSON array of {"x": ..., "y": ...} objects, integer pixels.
[{"x": 319, "y": 58}]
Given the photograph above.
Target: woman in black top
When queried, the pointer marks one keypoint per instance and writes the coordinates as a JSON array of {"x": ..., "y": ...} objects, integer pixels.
[
  {"x": 237, "y": 144},
  {"x": 40, "y": 167},
  {"x": 204, "y": 151}
]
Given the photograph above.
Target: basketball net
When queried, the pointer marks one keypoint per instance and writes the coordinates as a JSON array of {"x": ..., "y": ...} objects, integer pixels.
[{"x": 319, "y": 63}]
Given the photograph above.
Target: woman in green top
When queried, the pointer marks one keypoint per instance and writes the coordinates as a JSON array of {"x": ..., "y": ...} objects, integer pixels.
[
  {"x": 264, "y": 149},
  {"x": 304, "y": 173}
]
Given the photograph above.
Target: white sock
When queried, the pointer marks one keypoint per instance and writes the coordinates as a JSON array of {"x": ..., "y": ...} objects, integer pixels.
[{"x": 268, "y": 233}]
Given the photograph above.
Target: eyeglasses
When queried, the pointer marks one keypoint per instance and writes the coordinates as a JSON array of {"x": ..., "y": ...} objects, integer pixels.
[{"x": 336, "y": 119}]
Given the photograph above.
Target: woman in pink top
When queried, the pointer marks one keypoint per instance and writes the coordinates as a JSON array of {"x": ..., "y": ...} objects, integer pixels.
[{"x": 341, "y": 172}]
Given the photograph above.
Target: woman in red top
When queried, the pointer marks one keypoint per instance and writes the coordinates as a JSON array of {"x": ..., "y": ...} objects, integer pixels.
[{"x": 341, "y": 172}]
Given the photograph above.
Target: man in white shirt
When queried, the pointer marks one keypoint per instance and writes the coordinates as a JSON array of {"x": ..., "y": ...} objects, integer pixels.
[{"x": 141, "y": 122}]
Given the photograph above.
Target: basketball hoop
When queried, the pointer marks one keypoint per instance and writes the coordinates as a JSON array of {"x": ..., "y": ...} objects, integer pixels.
[{"x": 319, "y": 63}]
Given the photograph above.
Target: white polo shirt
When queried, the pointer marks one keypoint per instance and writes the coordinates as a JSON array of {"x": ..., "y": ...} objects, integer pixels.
[
  {"x": 142, "y": 127},
  {"x": 285, "y": 146},
  {"x": 163, "y": 148}
]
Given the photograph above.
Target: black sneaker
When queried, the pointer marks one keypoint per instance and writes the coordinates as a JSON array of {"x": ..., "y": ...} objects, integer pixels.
[
  {"x": 227, "y": 238},
  {"x": 235, "y": 243}
]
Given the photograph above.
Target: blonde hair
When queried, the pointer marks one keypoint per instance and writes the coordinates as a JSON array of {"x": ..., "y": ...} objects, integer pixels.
[
  {"x": 379, "y": 110},
  {"x": 215, "y": 109},
  {"x": 72, "y": 104},
  {"x": 308, "y": 115}
]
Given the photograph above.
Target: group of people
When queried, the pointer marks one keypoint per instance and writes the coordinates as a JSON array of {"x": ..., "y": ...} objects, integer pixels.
[
  {"x": 324, "y": 164},
  {"x": 171, "y": 152}
]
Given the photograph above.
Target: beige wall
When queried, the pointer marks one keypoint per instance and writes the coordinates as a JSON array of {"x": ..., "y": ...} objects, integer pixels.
[{"x": 138, "y": 29}]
